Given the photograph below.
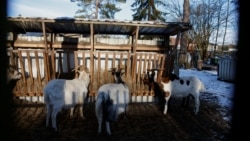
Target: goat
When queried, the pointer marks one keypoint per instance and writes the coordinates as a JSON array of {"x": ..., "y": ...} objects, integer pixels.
[
  {"x": 117, "y": 75},
  {"x": 62, "y": 93},
  {"x": 12, "y": 73},
  {"x": 162, "y": 92},
  {"x": 181, "y": 87},
  {"x": 187, "y": 85},
  {"x": 13, "y": 76},
  {"x": 112, "y": 100}
]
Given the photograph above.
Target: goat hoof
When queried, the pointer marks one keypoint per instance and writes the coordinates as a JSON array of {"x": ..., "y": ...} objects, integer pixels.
[{"x": 54, "y": 130}]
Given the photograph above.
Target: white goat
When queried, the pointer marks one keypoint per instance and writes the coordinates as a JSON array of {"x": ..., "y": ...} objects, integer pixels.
[
  {"x": 173, "y": 86},
  {"x": 112, "y": 100},
  {"x": 62, "y": 93}
]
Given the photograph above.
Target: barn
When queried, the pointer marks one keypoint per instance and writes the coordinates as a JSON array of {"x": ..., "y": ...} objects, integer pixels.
[{"x": 50, "y": 48}]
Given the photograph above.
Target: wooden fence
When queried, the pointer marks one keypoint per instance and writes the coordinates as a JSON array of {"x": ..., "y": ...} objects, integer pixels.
[{"x": 40, "y": 66}]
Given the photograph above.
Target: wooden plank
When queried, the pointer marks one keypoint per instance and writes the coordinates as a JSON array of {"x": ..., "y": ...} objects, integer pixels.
[
  {"x": 106, "y": 67},
  {"x": 92, "y": 54},
  {"x": 30, "y": 82},
  {"x": 151, "y": 48},
  {"x": 113, "y": 47},
  {"x": 68, "y": 64},
  {"x": 134, "y": 59},
  {"x": 145, "y": 63},
  {"x": 139, "y": 74},
  {"x": 11, "y": 59},
  {"x": 46, "y": 67},
  {"x": 113, "y": 61},
  {"x": 83, "y": 59},
  {"x": 53, "y": 66},
  {"x": 162, "y": 67},
  {"x": 76, "y": 63},
  {"x": 44, "y": 36},
  {"x": 99, "y": 69},
  {"x": 72, "y": 46},
  {"x": 128, "y": 67},
  {"x": 149, "y": 61},
  {"x": 24, "y": 86},
  {"x": 19, "y": 94},
  {"x": 40, "y": 87},
  {"x": 121, "y": 65},
  {"x": 144, "y": 68},
  {"x": 136, "y": 38},
  {"x": 60, "y": 64}
]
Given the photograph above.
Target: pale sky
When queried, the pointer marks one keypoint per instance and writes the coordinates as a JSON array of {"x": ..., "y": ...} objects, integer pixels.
[
  {"x": 55, "y": 8},
  {"x": 65, "y": 8}
]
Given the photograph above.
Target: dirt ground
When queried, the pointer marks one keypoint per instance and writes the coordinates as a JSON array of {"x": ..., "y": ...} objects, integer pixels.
[{"x": 145, "y": 122}]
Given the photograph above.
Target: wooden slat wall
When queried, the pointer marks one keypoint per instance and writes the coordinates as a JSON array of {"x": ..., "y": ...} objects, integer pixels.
[{"x": 59, "y": 64}]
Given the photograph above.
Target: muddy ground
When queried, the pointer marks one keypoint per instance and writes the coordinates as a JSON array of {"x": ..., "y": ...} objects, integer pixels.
[{"x": 145, "y": 122}]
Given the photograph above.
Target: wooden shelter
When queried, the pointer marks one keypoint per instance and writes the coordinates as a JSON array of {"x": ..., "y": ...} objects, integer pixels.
[{"x": 62, "y": 44}]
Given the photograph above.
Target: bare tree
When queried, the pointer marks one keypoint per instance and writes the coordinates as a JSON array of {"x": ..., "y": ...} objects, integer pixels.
[
  {"x": 174, "y": 10},
  {"x": 184, "y": 35},
  {"x": 225, "y": 18},
  {"x": 208, "y": 20},
  {"x": 226, "y": 23},
  {"x": 203, "y": 19}
]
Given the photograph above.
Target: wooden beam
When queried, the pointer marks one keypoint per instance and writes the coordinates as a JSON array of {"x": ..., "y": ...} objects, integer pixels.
[
  {"x": 176, "y": 55},
  {"x": 44, "y": 36},
  {"x": 91, "y": 55},
  {"x": 134, "y": 44},
  {"x": 136, "y": 38}
]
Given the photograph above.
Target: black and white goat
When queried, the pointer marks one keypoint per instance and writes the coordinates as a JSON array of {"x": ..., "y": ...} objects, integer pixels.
[
  {"x": 13, "y": 76},
  {"x": 62, "y": 93},
  {"x": 162, "y": 92},
  {"x": 174, "y": 86},
  {"x": 112, "y": 100},
  {"x": 12, "y": 73}
]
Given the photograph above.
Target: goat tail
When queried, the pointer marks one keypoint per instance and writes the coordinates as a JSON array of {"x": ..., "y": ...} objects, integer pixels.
[
  {"x": 202, "y": 86},
  {"x": 100, "y": 100},
  {"x": 104, "y": 101},
  {"x": 47, "y": 97}
]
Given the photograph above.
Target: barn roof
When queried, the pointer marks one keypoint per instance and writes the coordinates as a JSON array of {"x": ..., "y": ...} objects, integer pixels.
[{"x": 100, "y": 26}]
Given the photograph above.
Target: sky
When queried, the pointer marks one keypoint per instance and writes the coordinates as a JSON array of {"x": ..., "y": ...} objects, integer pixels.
[
  {"x": 55, "y": 8},
  {"x": 65, "y": 8},
  {"x": 221, "y": 92}
]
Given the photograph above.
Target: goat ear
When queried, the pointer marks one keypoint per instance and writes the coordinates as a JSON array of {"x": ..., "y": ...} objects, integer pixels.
[
  {"x": 77, "y": 68},
  {"x": 122, "y": 73},
  {"x": 112, "y": 70}
]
